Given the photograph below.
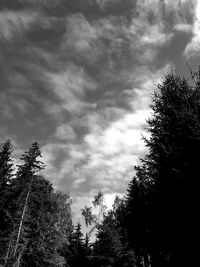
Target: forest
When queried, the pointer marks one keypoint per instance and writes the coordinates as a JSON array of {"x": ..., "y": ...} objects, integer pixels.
[{"x": 155, "y": 224}]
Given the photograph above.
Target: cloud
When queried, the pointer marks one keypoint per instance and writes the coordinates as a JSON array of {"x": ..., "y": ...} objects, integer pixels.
[
  {"x": 183, "y": 27},
  {"x": 51, "y": 4},
  {"x": 65, "y": 132},
  {"x": 103, "y": 4},
  {"x": 79, "y": 33},
  {"x": 78, "y": 77},
  {"x": 70, "y": 86},
  {"x": 81, "y": 41},
  {"x": 115, "y": 41},
  {"x": 51, "y": 154},
  {"x": 193, "y": 47},
  {"x": 147, "y": 31},
  {"x": 104, "y": 156},
  {"x": 6, "y": 110},
  {"x": 94, "y": 162},
  {"x": 122, "y": 134},
  {"x": 15, "y": 23}
]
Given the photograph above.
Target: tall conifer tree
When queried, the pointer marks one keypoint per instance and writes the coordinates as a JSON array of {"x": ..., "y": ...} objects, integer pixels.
[
  {"x": 22, "y": 185},
  {"x": 163, "y": 198},
  {"x": 6, "y": 168}
]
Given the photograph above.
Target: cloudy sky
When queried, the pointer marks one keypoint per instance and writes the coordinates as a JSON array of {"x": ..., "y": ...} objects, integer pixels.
[{"x": 77, "y": 76}]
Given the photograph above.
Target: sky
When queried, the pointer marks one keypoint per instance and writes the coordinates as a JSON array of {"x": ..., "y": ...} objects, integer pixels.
[{"x": 77, "y": 76}]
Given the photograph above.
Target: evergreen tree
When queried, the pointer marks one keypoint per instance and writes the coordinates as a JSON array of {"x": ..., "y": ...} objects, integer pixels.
[
  {"x": 21, "y": 187},
  {"x": 75, "y": 250},
  {"x": 162, "y": 200},
  {"x": 6, "y": 168},
  {"x": 111, "y": 246},
  {"x": 35, "y": 220},
  {"x": 108, "y": 244},
  {"x": 47, "y": 224},
  {"x": 42, "y": 220}
]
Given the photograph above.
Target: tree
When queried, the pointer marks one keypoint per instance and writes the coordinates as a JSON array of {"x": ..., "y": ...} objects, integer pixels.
[
  {"x": 6, "y": 165},
  {"x": 174, "y": 149},
  {"x": 6, "y": 169},
  {"x": 162, "y": 200},
  {"x": 76, "y": 250},
  {"x": 42, "y": 217},
  {"x": 137, "y": 217},
  {"x": 111, "y": 246},
  {"x": 86, "y": 212},
  {"x": 48, "y": 225},
  {"x": 21, "y": 192},
  {"x": 108, "y": 244}
]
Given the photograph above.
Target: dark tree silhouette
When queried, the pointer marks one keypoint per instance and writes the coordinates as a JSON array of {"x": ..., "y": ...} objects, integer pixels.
[
  {"x": 6, "y": 220},
  {"x": 162, "y": 200}
]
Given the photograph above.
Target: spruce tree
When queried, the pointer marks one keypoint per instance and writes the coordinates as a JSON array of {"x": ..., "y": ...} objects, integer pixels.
[
  {"x": 6, "y": 168},
  {"x": 40, "y": 217},
  {"x": 22, "y": 186},
  {"x": 75, "y": 252},
  {"x": 162, "y": 200}
]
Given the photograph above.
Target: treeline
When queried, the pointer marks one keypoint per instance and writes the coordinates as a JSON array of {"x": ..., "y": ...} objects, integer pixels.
[{"x": 156, "y": 223}]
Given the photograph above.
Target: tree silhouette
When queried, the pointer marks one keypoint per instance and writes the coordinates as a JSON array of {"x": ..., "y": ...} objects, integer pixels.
[
  {"x": 6, "y": 221},
  {"x": 162, "y": 199}
]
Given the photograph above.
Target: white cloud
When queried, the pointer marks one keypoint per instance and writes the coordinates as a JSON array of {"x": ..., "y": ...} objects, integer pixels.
[
  {"x": 155, "y": 35},
  {"x": 140, "y": 96},
  {"x": 120, "y": 135},
  {"x": 114, "y": 151},
  {"x": 102, "y": 160},
  {"x": 183, "y": 27},
  {"x": 193, "y": 47},
  {"x": 104, "y": 157},
  {"x": 92, "y": 40},
  {"x": 180, "y": 13},
  {"x": 49, "y": 154},
  {"x": 70, "y": 157},
  {"x": 114, "y": 37},
  {"x": 14, "y": 23},
  {"x": 65, "y": 132},
  {"x": 70, "y": 86},
  {"x": 79, "y": 33},
  {"x": 145, "y": 35}
]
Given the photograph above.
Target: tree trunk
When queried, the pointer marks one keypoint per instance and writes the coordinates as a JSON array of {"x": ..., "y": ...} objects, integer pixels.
[
  {"x": 8, "y": 252},
  {"x": 22, "y": 217}
]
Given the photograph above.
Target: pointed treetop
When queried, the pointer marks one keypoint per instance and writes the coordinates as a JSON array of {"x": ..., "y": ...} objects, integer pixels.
[{"x": 30, "y": 162}]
